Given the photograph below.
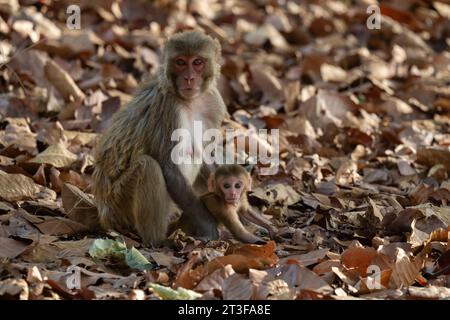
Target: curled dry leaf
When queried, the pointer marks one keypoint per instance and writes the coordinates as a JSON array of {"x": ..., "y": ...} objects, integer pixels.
[
  {"x": 18, "y": 134},
  {"x": 79, "y": 207},
  {"x": 434, "y": 156},
  {"x": 60, "y": 226},
  {"x": 245, "y": 257},
  {"x": 405, "y": 270},
  {"x": 164, "y": 259},
  {"x": 325, "y": 266},
  {"x": 57, "y": 155},
  {"x": 11, "y": 248},
  {"x": 216, "y": 279},
  {"x": 347, "y": 173},
  {"x": 236, "y": 287},
  {"x": 241, "y": 258},
  {"x": 14, "y": 289},
  {"x": 266, "y": 33},
  {"x": 326, "y": 107},
  {"x": 278, "y": 193},
  {"x": 306, "y": 259},
  {"x": 62, "y": 81},
  {"x": 15, "y": 187},
  {"x": 266, "y": 81},
  {"x": 83, "y": 138},
  {"x": 188, "y": 276},
  {"x": 358, "y": 259},
  {"x": 333, "y": 73},
  {"x": 299, "y": 277}
]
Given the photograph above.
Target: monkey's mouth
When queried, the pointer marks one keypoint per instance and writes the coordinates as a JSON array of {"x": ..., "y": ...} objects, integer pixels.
[
  {"x": 232, "y": 200},
  {"x": 189, "y": 92},
  {"x": 188, "y": 89}
]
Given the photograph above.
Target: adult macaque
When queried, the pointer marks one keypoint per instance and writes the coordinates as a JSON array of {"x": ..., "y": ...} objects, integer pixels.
[
  {"x": 137, "y": 185},
  {"x": 227, "y": 201}
]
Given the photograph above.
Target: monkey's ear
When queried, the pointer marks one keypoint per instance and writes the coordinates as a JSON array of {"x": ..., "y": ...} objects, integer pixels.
[
  {"x": 249, "y": 187},
  {"x": 211, "y": 183}
]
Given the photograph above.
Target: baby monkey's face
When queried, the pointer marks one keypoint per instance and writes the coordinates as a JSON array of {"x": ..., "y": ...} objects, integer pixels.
[{"x": 232, "y": 188}]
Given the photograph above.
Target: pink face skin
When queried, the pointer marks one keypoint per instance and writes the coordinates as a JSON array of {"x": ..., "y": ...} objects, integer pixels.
[
  {"x": 189, "y": 71},
  {"x": 232, "y": 189}
]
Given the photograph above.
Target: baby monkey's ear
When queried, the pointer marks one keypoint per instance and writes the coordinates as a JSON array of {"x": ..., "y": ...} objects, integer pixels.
[
  {"x": 211, "y": 183},
  {"x": 249, "y": 185}
]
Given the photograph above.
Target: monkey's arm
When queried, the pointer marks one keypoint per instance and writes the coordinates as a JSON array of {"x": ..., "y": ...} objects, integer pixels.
[
  {"x": 253, "y": 216},
  {"x": 198, "y": 217},
  {"x": 229, "y": 218},
  {"x": 231, "y": 221}
]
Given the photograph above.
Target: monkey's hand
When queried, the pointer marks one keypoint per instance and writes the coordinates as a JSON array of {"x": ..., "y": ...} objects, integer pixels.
[
  {"x": 202, "y": 222},
  {"x": 273, "y": 232}
]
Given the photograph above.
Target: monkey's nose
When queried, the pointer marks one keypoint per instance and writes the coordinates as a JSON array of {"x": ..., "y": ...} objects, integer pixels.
[{"x": 189, "y": 79}]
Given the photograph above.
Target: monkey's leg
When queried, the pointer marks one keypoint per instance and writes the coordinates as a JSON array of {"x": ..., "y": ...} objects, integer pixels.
[{"x": 151, "y": 202}]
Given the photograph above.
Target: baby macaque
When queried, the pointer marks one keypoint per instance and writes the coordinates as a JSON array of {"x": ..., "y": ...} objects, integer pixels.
[{"x": 227, "y": 202}]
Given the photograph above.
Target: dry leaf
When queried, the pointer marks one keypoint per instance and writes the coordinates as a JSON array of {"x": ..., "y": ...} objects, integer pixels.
[
  {"x": 11, "y": 248},
  {"x": 15, "y": 187},
  {"x": 57, "y": 155},
  {"x": 358, "y": 259},
  {"x": 62, "y": 81},
  {"x": 79, "y": 207},
  {"x": 236, "y": 287}
]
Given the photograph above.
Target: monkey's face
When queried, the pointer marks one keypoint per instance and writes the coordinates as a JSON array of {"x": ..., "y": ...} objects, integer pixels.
[
  {"x": 188, "y": 72},
  {"x": 232, "y": 189}
]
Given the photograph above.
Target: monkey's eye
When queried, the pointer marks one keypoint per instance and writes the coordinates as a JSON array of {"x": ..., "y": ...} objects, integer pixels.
[
  {"x": 227, "y": 186},
  {"x": 198, "y": 62},
  {"x": 180, "y": 62},
  {"x": 237, "y": 185}
]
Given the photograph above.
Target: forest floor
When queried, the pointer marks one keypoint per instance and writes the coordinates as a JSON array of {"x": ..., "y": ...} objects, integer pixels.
[{"x": 361, "y": 196}]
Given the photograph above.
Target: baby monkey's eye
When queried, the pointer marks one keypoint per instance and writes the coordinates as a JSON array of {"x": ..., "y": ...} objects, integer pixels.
[
  {"x": 226, "y": 186},
  {"x": 198, "y": 62},
  {"x": 180, "y": 62},
  {"x": 237, "y": 185}
]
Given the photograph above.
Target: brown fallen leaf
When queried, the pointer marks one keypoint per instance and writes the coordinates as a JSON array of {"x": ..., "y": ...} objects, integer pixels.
[
  {"x": 405, "y": 269},
  {"x": 57, "y": 155},
  {"x": 79, "y": 207},
  {"x": 236, "y": 287},
  {"x": 73, "y": 178},
  {"x": 14, "y": 288},
  {"x": 358, "y": 259},
  {"x": 215, "y": 279},
  {"x": 17, "y": 133},
  {"x": 300, "y": 277},
  {"x": 62, "y": 81},
  {"x": 307, "y": 259},
  {"x": 60, "y": 226},
  {"x": 188, "y": 277},
  {"x": 241, "y": 258},
  {"x": 11, "y": 248},
  {"x": 246, "y": 256},
  {"x": 433, "y": 156},
  {"x": 15, "y": 187},
  {"x": 164, "y": 259},
  {"x": 325, "y": 266}
]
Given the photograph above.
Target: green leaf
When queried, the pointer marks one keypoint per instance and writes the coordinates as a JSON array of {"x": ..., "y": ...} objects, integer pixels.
[
  {"x": 136, "y": 260},
  {"x": 104, "y": 248},
  {"x": 167, "y": 293},
  {"x": 117, "y": 250}
]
